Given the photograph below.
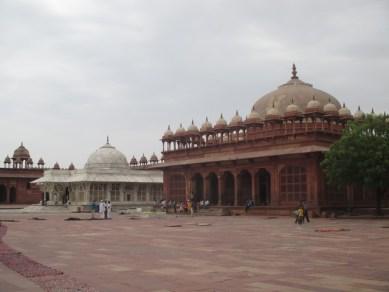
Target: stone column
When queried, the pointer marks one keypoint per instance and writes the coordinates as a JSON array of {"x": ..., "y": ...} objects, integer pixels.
[
  {"x": 219, "y": 189},
  {"x": 274, "y": 186},
  {"x": 108, "y": 188},
  {"x": 7, "y": 191},
  {"x": 253, "y": 186},
  {"x": 205, "y": 187},
  {"x": 188, "y": 186},
  {"x": 122, "y": 188},
  {"x": 136, "y": 186},
  {"x": 236, "y": 188},
  {"x": 87, "y": 194},
  {"x": 148, "y": 190}
]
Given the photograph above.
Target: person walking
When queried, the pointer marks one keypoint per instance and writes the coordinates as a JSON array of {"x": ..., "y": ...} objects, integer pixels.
[
  {"x": 300, "y": 215},
  {"x": 101, "y": 209},
  {"x": 105, "y": 210},
  {"x": 190, "y": 207},
  {"x": 109, "y": 210},
  {"x": 305, "y": 207}
]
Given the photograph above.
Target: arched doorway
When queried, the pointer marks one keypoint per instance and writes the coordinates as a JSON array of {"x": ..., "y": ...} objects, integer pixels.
[
  {"x": 262, "y": 196},
  {"x": 197, "y": 188},
  {"x": 228, "y": 189},
  {"x": 3, "y": 194},
  {"x": 244, "y": 187},
  {"x": 12, "y": 195}
]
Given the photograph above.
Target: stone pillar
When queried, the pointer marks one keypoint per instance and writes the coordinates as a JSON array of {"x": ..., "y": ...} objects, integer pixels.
[
  {"x": 205, "y": 188},
  {"x": 108, "y": 188},
  {"x": 219, "y": 189},
  {"x": 136, "y": 186},
  {"x": 253, "y": 186},
  {"x": 236, "y": 188},
  {"x": 87, "y": 197},
  {"x": 188, "y": 181},
  {"x": 121, "y": 189},
  {"x": 7, "y": 191},
  {"x": 274, "y": 187},
  {"x": 148, "y": 192}
]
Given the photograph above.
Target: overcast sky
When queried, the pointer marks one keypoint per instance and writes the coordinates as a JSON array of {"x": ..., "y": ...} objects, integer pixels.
[{"x": 73, "y": 72}]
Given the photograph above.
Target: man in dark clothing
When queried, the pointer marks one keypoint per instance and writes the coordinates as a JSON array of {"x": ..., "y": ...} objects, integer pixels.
[{"x": 305, "y": 206}]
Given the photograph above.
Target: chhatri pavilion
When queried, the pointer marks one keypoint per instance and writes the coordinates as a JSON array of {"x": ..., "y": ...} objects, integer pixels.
[
  {"x": 107, "y": 175},
  {"x": 271, "y": 157}
]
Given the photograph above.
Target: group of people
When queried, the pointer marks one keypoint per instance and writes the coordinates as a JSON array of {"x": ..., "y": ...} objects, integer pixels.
[
  {"x": 105, "y": 209},
  {"x": 185, "y": 207},
  {"x": 302, "y": 213}
]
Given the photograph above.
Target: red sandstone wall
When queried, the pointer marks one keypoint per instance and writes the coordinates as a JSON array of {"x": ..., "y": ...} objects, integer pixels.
[{"x": 19, "y": 179}]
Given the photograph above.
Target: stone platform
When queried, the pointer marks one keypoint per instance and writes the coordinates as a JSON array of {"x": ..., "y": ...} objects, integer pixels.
[{"x": 243, "y": 253}]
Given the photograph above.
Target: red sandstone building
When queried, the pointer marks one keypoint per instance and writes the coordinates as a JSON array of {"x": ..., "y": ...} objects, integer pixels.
[
  {"x": 272, "y": 157},
  {"x": 16, "y": 177}
]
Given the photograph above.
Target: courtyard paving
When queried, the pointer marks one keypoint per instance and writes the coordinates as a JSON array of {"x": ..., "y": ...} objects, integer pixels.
[{"x": 168, "y": 253}]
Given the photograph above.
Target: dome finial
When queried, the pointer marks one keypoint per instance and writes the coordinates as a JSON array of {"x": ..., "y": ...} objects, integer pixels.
[
  {"x": 294, "y": 72},
  {"x": 107, "y": 139}
]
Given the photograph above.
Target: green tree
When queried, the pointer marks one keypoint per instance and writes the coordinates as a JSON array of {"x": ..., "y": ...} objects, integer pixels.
[{"x": 361, "y": 156}]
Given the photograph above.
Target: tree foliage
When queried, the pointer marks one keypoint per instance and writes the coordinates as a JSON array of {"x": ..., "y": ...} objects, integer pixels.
[{"x": 361, "y": 156}]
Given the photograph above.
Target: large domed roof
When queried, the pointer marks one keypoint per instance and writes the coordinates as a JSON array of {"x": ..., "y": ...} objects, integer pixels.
[
  {"x": 107, "y": 157},
  {"x": 295, "y": 89}
]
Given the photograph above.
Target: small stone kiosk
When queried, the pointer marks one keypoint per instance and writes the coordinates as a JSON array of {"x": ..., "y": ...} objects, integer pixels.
[{"x": 105, "y": 176}]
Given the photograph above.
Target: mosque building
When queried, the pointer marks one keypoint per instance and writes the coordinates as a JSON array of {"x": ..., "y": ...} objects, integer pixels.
[
  {"x": 107, "y": 175},
  {"x": 271, "y": 157},
  {"x": 16, "y": 176}
]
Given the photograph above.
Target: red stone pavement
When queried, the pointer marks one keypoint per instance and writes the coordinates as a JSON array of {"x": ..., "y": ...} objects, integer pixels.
[{"x": 230, "y": 254}]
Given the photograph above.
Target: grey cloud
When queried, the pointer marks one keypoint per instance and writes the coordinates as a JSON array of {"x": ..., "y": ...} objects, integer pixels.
[{"x": 72, "y": 72}]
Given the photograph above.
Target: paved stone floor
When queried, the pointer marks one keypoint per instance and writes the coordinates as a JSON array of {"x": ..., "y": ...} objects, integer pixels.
[{"x": 231, "y": 254}]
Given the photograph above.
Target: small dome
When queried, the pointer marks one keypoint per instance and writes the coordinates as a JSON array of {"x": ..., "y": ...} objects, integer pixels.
[
  {"x": 143, "y": 160},
  {"x": 344, "y": 111},
  {"x": 372, "y": 112},
  {"x": 56, "y": 166},
  {"x": 7, "y": 159},
  {"x": 221, "y": 123},
  {"x": 153, "y": 158},
  {"x": 359, "y": 114},
  {"x": 292, "y": 109},
  {"x": 180, "y": 130},
  {"x": 21, "y": 153},
  {"x": 29, "y": 161},
  {"x": 314, "y": 106},
  {"x": 169, "y": 133},
  {"x": 107, "y": 157},
  {"x": 272, "y": 113},
  {"x": 41, "y": 161},
  {"x": 253, "y": 118},
  {"x": 71, "y": 166},
  {"x": 192, "y": 128},
  {"x": 330, "y": 108},
  {"x": 133, "y": 161},
  {"x": 206, "y": 126},
  {"x": 236, "y": 120}
]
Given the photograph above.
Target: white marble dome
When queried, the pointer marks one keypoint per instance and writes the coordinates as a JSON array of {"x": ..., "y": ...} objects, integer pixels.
[{"x": 107, "y": 157}]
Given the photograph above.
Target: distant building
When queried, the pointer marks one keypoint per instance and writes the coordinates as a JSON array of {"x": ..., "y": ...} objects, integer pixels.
[
  {"x": 271, "y": 157},
  {"x": 16, "y": 177},
  {"x": 107, "y": 175}
]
